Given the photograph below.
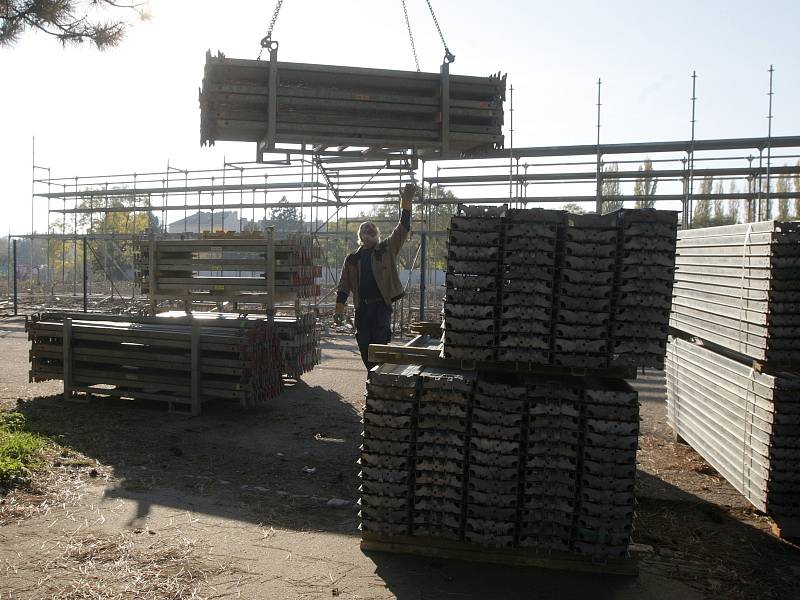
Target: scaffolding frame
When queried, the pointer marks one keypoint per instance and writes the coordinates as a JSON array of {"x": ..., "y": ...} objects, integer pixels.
[{"x": 331, "y": 191}]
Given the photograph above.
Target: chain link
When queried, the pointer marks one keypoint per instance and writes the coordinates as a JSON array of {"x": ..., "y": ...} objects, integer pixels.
[
  {"x": 410, "y": 35},
  {"x": 274, "y": 18},
  {"x": 449, "y": 56}
]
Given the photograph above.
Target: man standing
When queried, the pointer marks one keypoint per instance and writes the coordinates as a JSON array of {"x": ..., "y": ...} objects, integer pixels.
[{"x": 370, "y": 273}]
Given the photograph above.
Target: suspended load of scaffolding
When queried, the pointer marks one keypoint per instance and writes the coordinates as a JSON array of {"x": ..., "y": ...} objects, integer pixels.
[{"x": 270, "y": 102}]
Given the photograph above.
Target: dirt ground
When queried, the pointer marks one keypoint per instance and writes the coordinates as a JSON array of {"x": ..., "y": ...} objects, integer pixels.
[{"x": 235, "y": 504}]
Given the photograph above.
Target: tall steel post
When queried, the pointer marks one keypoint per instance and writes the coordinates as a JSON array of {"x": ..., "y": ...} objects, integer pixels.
[
  {"x": 599, "y": 176},
  {"x": 14, "y": 267},
  {"x": 511, "y": 154},
  {"x": 690, "y": 154},
  {"x": 769, "y": 144},
  {"x": 423, "y": 267},
  {"x": 85, "y": 275}
]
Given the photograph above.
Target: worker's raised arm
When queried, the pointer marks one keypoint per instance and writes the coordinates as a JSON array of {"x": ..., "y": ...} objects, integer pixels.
[{"x": 400, "y": 233}]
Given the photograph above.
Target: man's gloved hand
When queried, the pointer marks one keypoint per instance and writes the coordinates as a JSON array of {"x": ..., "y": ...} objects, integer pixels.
[
  {"x": 338, "y": 315},
  {"x": 407, "y": 196}
]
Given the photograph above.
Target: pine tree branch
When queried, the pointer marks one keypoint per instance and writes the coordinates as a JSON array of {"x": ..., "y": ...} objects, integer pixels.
[{"x": 58, "y": 18}]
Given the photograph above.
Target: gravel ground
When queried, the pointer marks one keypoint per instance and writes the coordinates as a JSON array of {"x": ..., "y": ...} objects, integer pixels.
[{"x": 230, "y": 495}]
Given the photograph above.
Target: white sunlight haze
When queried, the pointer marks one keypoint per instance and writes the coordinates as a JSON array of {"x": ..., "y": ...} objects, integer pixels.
[{"x": 134, "y": 107}]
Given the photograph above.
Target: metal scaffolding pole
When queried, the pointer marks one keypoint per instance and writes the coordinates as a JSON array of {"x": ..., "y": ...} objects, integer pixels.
[
  {"x": 14, "y": 278},
  {"x": 85, "y": 275},
  {"x": 423, "y": 267},
  {"x": 769, "y": 145},
  {"x": 599, "y": 172}
]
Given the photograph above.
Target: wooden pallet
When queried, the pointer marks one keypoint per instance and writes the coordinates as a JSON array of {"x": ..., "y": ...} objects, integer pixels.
[
  {"x": 431, "y": 328},
  {"x": 453, "y": 550},
  {"x": 427, "y": 352}
]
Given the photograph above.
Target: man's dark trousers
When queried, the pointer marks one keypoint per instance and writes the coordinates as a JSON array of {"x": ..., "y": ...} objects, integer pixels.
[{"x": 373, "y": 326}]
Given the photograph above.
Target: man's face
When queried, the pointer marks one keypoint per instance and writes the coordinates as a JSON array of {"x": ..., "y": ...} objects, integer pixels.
[{"x": 369, "y": 235}]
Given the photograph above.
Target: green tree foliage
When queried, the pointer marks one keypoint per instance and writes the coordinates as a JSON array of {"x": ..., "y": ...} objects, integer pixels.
[
  {"x": 286, "y": 218},
  {"x": 644, "y": 188},
  {"x": 68, "y": 21},
  {"x": 796, "y": 179},
  {"x": 719, "y": 204},
  {"x": 575, "y": 209},
  {"x": 112, "y": 257},
  {"x": 611, "y": 189},
  {"x": 734, "y": 206},
  {"x": 5, "y": 259},
  {"x": 701, "y": 215},
  {"x": 712, "y": 213},
  {"x": 784, "y": 210}
]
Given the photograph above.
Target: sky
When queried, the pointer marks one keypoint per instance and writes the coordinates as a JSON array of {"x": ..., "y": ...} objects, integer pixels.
[{"x": 134, "y": 107}]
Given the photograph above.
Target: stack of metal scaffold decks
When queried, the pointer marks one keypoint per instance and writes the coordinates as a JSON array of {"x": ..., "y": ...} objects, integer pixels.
[
  {"x": 583, "y": 291},
  {"x": 494, "y": 484},
  {"x": 387, "y": 451},
  {"x": 643, "y": 295},
  {"x": 744, "y": 423},
  {"x": 738, "y": 286},
  {"x": 528, "y": 274},
  {"x": 441, "y": 453},
  {"x": 471, "y": 310},
  {"x": 464, "y": 464},
  {"x": 544, "y": 287}
]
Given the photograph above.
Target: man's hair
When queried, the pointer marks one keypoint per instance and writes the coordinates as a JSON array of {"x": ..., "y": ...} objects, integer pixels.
[{"x": 362, "y": 236}]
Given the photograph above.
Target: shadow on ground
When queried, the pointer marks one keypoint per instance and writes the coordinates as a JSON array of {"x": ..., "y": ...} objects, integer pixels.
[
  {"x": 279, "y": 464},
  {"x": 710, "y": 547},
  {"x": 699, "y": 551}
]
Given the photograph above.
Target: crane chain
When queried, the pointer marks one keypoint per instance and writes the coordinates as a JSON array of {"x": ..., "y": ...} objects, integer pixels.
[
  {"x": 448, "y": 56},
  {"x": 410, "y": 35},
  {"x": 274, "y": 18}
]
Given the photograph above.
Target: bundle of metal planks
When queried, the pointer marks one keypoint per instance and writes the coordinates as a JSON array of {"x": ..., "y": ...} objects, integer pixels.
[
  {"x": 182, "y": 361},
  {"x": 322, "y": 105},
  {"x": 738, "y": 286},
  {"x": 546, "y": 287},
  {"x": 297, "y": 334},
  {"x": 457, "y": 462},
  {"x": 744, "y": 423},
  {"x": 473, "y": 283},
  {"x": 299, "y": 341},
  {"x": 242, "y": 268}
]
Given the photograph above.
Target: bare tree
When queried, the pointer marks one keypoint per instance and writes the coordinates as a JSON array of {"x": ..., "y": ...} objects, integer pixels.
[{"x": 69, "y": 21}]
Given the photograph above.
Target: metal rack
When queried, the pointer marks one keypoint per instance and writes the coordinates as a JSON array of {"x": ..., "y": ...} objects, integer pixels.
[{"x": 244, "y": 268}]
